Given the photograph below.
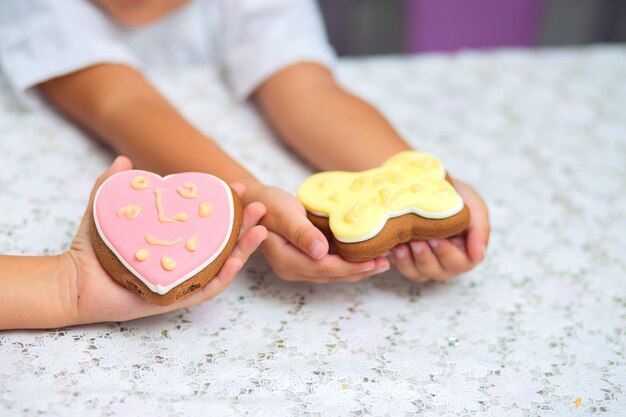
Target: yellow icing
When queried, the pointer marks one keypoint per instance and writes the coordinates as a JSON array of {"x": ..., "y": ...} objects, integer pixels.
[
  {"x": 205, "y": 209},
  {"x": 130, "y": 211},
  {"x": 188, "y": 190},
  {"x": 180, "y": 217},
  {"x": 142, "y": 254},
  {"x": 150, "y": 240},
  {"x": 192, "y": 244},
  {"x": 139, "y": 183},
  {"x": 168, "y": 263},
  {"x": 359, "y": 203}
]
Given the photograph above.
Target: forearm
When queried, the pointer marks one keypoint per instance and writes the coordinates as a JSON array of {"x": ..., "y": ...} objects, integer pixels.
[
  {"x": 121, "y": 108},
  {"x": 157, "y": 138},
  {"x": 35, "y": 293},
  {"x": 328, "y": 126}
]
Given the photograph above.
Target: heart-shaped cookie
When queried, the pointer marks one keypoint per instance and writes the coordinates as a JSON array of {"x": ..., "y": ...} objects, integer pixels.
[{"x": 164, "y": 237}]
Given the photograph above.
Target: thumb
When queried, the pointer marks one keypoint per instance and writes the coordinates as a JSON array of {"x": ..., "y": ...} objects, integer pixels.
[
  {"x": 121, "y": 163},
  {"x": 478, "y": 229},
  {"x": 299, "y": 230}
]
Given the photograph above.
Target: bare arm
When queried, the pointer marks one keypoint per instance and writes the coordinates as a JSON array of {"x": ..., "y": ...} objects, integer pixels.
[
  {"x": 34, "y": 293},
  {"x": 41, "y": 292},
  {"x": 335, "y": 130},
  {"x": 125, "y": 111},
  {"x": 120, "y": 107},
  {"x": 328, "y": 126}
]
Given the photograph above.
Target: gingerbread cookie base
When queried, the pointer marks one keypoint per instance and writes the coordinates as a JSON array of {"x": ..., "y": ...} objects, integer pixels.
[
  {"x": 397, "y": 230},
  {"x": 366, "y": 213},
  {"x": 124, "y": 277}
]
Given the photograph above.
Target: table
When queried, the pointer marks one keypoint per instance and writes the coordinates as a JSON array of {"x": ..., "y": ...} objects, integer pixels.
[{"x": 538, "y": 329}]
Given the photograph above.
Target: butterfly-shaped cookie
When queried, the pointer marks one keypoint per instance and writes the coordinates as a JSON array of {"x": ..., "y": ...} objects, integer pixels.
[{"x": 408, "y": 197}]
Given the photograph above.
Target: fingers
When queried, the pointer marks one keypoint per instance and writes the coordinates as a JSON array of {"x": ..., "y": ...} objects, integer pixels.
[
  {"x": 335, "y": 266},
  {"x": 479, "y": 229},
  {"x": 403, "y": 259},
  {"x": 246, "y": 245},
  {"x": 297, "y": 229},
  {"x": 238, "y": 188},
  {"x": 121, "y": 163},
  {"x": 417, "y": 261},
  {"x": 252, "y": 214},
  {"x": 442, "y": 259},
  {"x": 218, "y": 284},
  {"x": 382, "y": 265},
  {"x": 459, "y": 242},
  {"x": 452, "y": 259},
  {"x": 212, "y": 289},
  {"x": 291, "y": 264},
  {"x": 426, "y": 262},
  {"x": 287, "y": 218},
  {"x": 306, "y": 237},
  {"x": 478, "y": 235},
  {"x": 438, "y": 259}
]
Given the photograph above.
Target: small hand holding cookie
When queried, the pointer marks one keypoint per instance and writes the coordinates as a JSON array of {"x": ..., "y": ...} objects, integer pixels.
[
  {"x": 442, "y": 259},
  {"x": 297, "y": 250},
  {"x": 94, "y": 296}
]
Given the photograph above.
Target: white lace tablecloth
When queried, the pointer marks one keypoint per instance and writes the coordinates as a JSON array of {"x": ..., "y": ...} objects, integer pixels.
[{"x": 539, "y": 329}]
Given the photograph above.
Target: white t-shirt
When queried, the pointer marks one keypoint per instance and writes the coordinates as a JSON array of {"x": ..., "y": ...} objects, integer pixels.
[{"x": 248, "y": 39}]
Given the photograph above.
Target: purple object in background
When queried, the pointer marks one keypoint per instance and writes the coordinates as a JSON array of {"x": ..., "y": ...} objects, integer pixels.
[{"x": 449, "y": 25}]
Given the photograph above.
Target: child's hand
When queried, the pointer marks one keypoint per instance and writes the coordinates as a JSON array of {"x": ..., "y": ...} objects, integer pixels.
[
  {"x": 96, "y": 297},
  {"x": 297, "y": 250},
  {"x": 442, "y": 259}
]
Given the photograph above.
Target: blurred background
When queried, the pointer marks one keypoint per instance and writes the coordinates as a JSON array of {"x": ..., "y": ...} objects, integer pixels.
[{"x": 362, "y": 27}]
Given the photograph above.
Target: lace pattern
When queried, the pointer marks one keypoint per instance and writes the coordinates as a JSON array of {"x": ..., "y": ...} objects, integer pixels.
[{"x": 537, "y": 330}]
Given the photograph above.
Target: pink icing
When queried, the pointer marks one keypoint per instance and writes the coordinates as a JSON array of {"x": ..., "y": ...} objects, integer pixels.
[{"x": 126, "y": 236}]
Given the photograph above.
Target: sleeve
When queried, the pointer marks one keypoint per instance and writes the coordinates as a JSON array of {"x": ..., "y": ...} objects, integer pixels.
[
  {"x": 256, "y": 39},
  {"x": 44, "y": 39}
]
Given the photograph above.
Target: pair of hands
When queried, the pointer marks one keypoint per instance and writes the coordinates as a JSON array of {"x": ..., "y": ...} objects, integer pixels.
[
  {"x": 295, "y": 249},
  {"x": 298, "y": 251}
]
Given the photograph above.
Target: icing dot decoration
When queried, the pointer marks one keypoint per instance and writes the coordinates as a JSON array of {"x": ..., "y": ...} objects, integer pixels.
[
  {"x": 142, "y": 254},
  {"x": 205, "y": 209},
  {"x": 192, "y": 244},
  {"x": 168, "y": 263},
  {"x": 324, "y": 183}
]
